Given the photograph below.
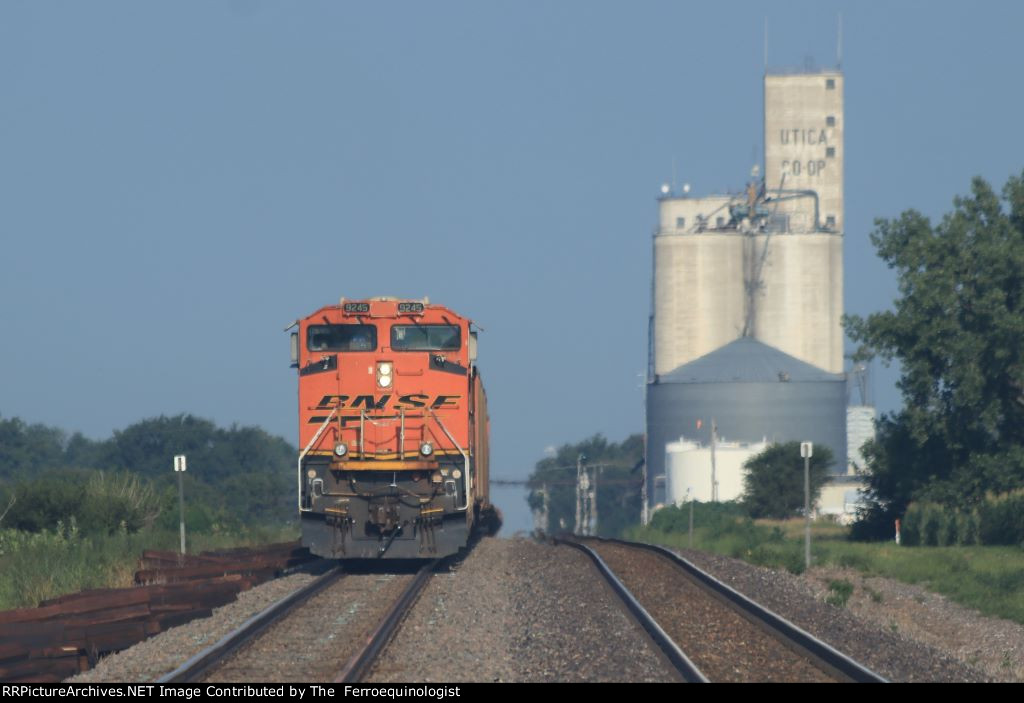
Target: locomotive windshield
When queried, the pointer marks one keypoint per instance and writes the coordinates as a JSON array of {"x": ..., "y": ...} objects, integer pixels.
[
  {"x": 425, "y": 338},
  {"x": 341, "y": 338}
]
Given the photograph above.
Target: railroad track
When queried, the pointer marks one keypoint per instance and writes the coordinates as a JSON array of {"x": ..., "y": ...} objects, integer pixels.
[
  {"x": 360, "y": 664},
  {"x": 707, "y": 630},
  {"x": 277, "y": 636}
]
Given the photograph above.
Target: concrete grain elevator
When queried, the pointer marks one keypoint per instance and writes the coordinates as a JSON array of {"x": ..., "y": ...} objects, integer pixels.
[{"x": 747, "y": 292}]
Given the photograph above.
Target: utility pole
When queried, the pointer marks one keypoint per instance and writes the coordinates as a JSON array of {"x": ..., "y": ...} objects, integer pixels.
[
  {"x": 644, "y": 516},
  {"x": 540, "y": 518},
  {"x": 714, "y": 477},
  {"x": 592, "y": 523},
  {"x": 689, "y": 495},
  {"x": 585, "y": 494},
  {"x": 547, "y": 509},
  {"x": 577, "y": 526}
]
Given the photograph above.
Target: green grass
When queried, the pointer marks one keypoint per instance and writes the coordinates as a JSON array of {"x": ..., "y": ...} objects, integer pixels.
[
  {"x": 839, "y": 591},
  {"x": 35, "y": 567},
  {"x": 989, "y": 579}
]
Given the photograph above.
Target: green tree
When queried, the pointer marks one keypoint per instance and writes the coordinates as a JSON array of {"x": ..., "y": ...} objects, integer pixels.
[
  {"x": 957, "y": 330},
  {"x": 94, "y": 501},
  {"x": 252, "y": 470},
  {"x": 774, "y": 483},
  {"x": 27, "y": 449},
  {"x": 239, "y": 474}
]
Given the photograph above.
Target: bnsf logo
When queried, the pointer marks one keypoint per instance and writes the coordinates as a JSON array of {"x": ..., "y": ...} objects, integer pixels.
[{"x": 370, "y": 402}]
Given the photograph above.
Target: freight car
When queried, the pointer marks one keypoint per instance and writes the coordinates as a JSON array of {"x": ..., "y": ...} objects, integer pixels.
[{"x": 393, "y": 430}]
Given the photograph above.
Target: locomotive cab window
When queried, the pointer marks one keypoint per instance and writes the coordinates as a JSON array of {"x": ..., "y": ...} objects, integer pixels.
[
  {"x": 341, "y": 338},
  {"x": 426, "y": 338}
]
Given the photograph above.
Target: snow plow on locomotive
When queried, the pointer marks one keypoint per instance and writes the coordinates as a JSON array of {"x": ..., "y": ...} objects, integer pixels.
[{"x": 393, "y": 430}]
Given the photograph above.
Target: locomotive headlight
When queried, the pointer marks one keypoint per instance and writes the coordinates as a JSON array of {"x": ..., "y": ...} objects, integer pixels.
[
  {"x": 340, "y": 449},
  {"x": 384, "y": 370},
  {"x": 426, "y": 449}
]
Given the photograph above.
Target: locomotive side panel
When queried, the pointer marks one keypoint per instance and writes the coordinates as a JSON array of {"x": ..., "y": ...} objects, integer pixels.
[
  {"x": 481, "y": 426},
  {"x": 488, "y": 517}
]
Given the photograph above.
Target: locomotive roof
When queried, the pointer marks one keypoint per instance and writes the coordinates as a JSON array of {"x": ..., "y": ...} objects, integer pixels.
[{"x": 375, "y": 303}]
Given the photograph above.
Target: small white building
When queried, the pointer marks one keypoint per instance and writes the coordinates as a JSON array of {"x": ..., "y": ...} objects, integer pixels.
[{"x": 841, "y": 497}]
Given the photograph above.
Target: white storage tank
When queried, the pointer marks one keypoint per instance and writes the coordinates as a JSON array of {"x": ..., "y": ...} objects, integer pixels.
[{"x": 688, "y": 466}]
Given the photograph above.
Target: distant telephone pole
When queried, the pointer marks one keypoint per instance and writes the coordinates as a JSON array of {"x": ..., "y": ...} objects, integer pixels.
[
  {"x": 540, "y": 518},
  {"x": 592, "y": 523},
  {"x": 578, "y": 525},
  {"x": 714, "y": 477}
]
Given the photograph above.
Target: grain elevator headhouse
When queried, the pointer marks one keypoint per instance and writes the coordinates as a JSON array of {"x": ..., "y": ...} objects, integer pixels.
[{"x": 764, "y": 265}]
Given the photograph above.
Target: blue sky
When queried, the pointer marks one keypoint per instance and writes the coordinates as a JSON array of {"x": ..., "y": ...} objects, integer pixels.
[{"x": 179, "y": 181}]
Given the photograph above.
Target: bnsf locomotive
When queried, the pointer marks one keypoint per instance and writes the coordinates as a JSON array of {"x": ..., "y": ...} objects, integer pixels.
[{"x": 393, "y": 430}]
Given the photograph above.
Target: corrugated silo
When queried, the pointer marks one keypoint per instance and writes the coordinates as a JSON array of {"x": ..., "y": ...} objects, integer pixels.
[{"x": 753, "y": 392}]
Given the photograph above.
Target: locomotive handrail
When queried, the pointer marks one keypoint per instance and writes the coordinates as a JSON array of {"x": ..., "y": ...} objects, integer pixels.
[
  {"x": 467, "y": 482},
  {"x": 306, "y": 451},
  {"x": 362, "y": 434},
  {"x": 401, "y": 432}
]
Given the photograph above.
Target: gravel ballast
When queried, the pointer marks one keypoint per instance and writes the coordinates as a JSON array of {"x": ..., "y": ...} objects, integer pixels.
[
  {"x": 796, "y": 598},
  {"x": 725, "y": 646},
  {"x": 151, "y": 659},
  {"x": 316, "y": 639},
  {"x": 993, "y": 645},
  {"x": 516, "y": 610}
]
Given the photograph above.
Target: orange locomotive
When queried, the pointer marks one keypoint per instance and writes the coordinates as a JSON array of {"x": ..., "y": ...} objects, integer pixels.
[{"x": 393, "y": 428}]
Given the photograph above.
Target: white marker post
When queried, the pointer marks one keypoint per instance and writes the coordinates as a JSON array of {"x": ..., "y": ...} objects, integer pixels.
[
  {"x": 689, "y": 498},
  {"x": 179, "y": 468},
  {"x": 806, "y": 450}
]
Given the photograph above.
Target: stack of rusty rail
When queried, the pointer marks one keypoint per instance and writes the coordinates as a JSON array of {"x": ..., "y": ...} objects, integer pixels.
[{"x": 67, "y": 635}]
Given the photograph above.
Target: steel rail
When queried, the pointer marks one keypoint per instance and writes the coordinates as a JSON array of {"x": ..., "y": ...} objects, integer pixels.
[
  {"x": 686, "y": 668},
  {"x": 200, "y": 664},
  {"x": 820, "y": 652},
  {"x": 361, "y": 662}
]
